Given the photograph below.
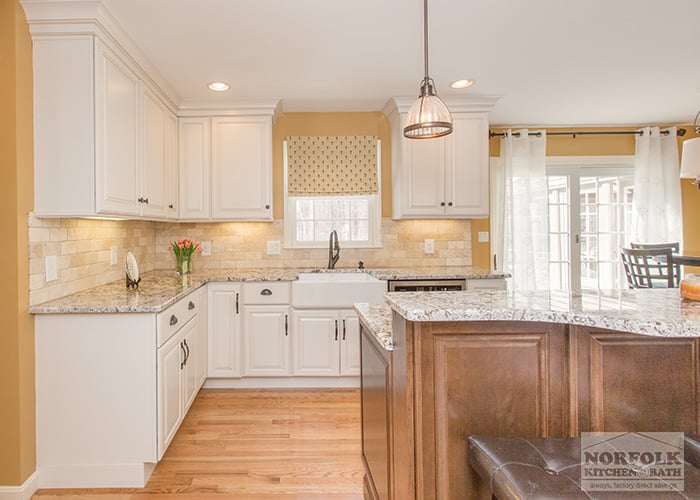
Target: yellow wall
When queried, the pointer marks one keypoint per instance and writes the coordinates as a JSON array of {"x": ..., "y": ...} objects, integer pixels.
[
  {"x": 17, "y": 442},
  {"x": 600, "y": 145},
  {"x": 291, "y": 124}
]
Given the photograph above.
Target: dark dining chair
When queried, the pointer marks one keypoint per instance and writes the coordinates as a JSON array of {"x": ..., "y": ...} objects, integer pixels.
[
  {"x": 649, "y": 268},
  {"x": 675, "y": 249}
]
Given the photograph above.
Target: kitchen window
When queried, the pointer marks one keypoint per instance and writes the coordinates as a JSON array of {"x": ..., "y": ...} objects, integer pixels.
[
  {"x": 590, "y": 206},
  {"x": 332, "y": 183}
]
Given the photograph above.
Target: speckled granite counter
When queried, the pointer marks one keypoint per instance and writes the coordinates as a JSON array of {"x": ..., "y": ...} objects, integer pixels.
[
  {"x": 377, "y": 319},
  {"x": 159, "y": 289},
  {"x": 655, "y": 312}
]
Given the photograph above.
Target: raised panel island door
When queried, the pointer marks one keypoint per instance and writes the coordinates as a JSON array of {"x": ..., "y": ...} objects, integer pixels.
[
  {"x": 242, "y": 168},
  {"x": 623, "y": 382},
  {"x": 117, "y": 167}
]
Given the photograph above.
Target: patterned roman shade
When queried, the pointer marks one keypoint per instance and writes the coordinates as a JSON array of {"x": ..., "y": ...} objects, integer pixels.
[{"x": 332, "y": 165}]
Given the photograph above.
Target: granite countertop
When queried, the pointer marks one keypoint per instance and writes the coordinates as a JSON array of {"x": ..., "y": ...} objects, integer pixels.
[
  {"x": 377, "y": 319},
  {"x": 160, "y": 289},
  {"x": 658, "y": 312}
]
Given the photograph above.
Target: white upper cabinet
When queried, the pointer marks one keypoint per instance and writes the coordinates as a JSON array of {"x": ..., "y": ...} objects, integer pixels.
[
  {"x": 195, "y": 168},
  {"x": 105, "y": 143},
  {"x": 241, "y": 168},
  {"x": 446, "y": 177}
]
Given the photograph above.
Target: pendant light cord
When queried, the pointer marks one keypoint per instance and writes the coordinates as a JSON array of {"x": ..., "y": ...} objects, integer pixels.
[{"x": 425, "y": 39}]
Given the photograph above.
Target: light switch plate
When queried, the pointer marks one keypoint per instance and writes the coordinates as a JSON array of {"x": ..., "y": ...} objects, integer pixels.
[
  {"x": 51, "y": 268},
  {"x": 114, "y": 255},
  {"x": 483, "y": 236},
  {"x": 429, "y": 246},
  {"x": 206, "y": 248},
  {"x": 274, "y": 247}
]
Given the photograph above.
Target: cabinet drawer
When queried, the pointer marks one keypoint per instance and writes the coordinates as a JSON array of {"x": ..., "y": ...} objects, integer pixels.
[
  {"x": 175, "y": 316},
  {"x": 266, "y": 292}
]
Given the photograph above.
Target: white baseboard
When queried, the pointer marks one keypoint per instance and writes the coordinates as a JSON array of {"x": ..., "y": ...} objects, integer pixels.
[
  {"x": 95, "y": 476},
  {"x": 23, "y": 492},
  {"x": 282, "y": 382}
]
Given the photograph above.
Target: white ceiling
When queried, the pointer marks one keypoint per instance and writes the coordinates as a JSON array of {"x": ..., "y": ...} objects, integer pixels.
[{"x": 553, "y": 62}]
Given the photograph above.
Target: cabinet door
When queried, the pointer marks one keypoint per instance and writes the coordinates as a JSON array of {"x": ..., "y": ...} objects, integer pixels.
[
  {"x": 200, "y": 349},
  {"x": 424, "y": 181},
  {"x": 117, "y": 98},
  {"x": 189, "y": 370},
  {"x": 242, "y": 168},
  {"x": 170, "y": 403},
  {"x": 171, "y": 165},
  {"x": 155, "y": 172},
  {"x": 224, "y": 336},
  {"x": 467, "y": 176},
  {"x": 316, "y": 343},
  {"x": 195, "y": 168},
  {"x": 350, "y": 343},
  {"x": 266, "y": 341}
]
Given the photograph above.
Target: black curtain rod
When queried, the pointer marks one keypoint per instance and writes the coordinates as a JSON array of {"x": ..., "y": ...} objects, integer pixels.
[{"x": 680, "y": 132}]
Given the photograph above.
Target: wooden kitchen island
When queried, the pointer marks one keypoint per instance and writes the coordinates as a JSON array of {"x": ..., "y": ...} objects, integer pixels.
[{"x": 438, "y": 367}]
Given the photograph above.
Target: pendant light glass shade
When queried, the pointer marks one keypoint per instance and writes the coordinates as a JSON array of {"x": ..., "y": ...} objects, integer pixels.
[
  {"x": 428, "y": 117},
  {"x": 690, "y": 160}
]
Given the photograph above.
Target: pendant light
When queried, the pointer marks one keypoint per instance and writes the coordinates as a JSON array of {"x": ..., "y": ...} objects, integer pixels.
[
  {"x": 690, "y": 161},
  {"x": 428, "y": 117}
]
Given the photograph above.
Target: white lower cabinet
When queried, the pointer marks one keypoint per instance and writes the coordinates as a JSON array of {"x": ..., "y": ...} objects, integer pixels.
[
  {"x": 266, "y": 341},
  {"x": 224, "y": 330},
  {"x": 111, "y": 391},
  {"x": 325, "y": 343}
]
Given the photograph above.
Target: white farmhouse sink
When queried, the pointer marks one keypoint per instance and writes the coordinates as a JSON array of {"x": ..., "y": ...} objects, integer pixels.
[{"x": 336, "y": 290}]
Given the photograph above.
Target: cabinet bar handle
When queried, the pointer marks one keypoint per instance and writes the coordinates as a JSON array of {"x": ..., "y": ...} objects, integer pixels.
[
  {"x": 344, "y": 329},
  {"x": 190, "y": 306},
  {"x": 265, "y": 291},
  {"x": 236, "y": 303},
  {"x": 184, "y": 356},
  {"x": 336, "y": 330},
  {"x": 173, "y": 320},
  {"x": 187, "y": 357},
  {"x": 286, "y": 325}
]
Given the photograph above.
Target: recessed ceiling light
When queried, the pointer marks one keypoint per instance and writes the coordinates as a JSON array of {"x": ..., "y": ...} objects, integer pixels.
[
  {"x": 219, "y": 86},
  {"x": 461, "y": 84}
]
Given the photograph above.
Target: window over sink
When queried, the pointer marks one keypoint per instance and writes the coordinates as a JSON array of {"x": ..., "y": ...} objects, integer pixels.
[{"x": 332, "y": 183}]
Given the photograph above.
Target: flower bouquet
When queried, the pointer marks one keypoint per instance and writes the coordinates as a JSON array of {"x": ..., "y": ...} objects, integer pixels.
[{"x": 183, "y": 250}]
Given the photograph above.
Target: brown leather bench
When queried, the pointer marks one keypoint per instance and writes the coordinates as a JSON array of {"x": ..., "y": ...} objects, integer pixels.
[{"x": 550, "y": 469}]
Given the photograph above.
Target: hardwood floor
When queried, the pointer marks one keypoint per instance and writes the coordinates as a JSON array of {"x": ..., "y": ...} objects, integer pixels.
[{"x": 253, "y": 445}]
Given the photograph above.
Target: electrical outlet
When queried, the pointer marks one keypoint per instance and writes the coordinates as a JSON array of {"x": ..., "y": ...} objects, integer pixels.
[
  {"x": 51, "y": 268},
  {"x": 483, "y": 236},
  {"x": 206, "y": 248},
  {"x": 274, "y": 247},
  {"x": 429, "y": 246},
  {"x": 114, "y": 255}
]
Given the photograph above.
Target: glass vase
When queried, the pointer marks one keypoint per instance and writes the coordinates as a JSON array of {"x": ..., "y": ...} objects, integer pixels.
[{"x": 184, "y": 264}]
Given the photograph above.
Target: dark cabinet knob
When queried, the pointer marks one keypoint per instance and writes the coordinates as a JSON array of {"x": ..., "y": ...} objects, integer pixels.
[
  {"x": 442, "y": 203},
  {"x": 267, "y": 207},
  {"x": 190, "y": 306},
  {"x": 173, "y": 320},
  {"x": 449, "y": 204},
  {"x": 171, "y": 206}
]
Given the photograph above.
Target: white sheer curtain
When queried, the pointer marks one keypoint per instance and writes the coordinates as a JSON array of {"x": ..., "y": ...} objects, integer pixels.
[
  {"x": 656, "y": 203},
  {"x": 519, "y": 212}
]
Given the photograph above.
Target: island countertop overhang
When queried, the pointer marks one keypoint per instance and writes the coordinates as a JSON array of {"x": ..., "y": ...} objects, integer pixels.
[{"x": 655, "y": 312}]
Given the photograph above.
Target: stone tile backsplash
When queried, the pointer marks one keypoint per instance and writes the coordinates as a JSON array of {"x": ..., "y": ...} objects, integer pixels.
[{"x": 83, "y": 248}]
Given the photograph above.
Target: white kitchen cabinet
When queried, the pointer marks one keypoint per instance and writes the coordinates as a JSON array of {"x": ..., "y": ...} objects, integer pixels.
[
  {"x": 266, "y": 329},
  {"x": 241, "y": 176},
  {"x": 103, "y": 138},
  {"x": 158, "y": 187},
  {"x": 117, "y": 114},
  {"x": 195, "y": 168},
  {"x": 224, "y": 330},
  {"x": 446, "y": 177},
  {"x": 129, "y": 379},
  {"x": 325, "y": 343},
  {"x": 266, "y": 341}
]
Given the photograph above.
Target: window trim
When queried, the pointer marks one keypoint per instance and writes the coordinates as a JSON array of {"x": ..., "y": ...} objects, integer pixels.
[{"x": 374, "y": 215}]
